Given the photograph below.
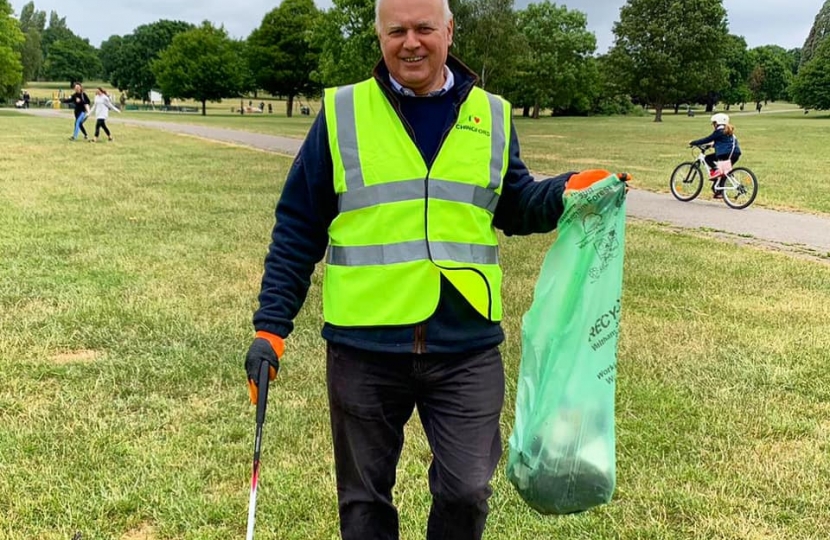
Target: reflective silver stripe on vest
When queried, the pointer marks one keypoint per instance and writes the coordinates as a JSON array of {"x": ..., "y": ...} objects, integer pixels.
[
  {"x": 347, "y": 136},
  {"x": 410, "y": 190},
  {"x": 412, "y": 251},
  {"x": 498, "y": 141}
]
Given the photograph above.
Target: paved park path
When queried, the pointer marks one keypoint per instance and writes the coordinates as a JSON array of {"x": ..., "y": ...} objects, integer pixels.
[{"x": 800, "y": 233}]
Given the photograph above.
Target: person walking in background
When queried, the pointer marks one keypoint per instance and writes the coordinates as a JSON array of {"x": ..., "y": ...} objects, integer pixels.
[
  {"x": 80, "y": 102},
  {"x": 101, "y": 109}
]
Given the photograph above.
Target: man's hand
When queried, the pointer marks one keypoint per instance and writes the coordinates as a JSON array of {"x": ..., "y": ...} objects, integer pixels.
[
  {"x": 266, "y": 347},
  {"x": 586, "y": 179}
]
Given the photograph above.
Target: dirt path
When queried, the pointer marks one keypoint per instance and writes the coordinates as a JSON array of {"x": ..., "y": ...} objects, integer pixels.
[{"x": 803, "y": 234}]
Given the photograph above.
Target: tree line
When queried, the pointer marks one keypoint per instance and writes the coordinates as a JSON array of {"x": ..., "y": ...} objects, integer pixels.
[{"x": 666, "y": 53}]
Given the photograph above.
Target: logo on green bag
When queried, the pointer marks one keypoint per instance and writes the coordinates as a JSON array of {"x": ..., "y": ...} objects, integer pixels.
[
  {"x": 608, "y": 247},
  {"x": 606, "y": 327},
  {"x": 472, "y": 123}
]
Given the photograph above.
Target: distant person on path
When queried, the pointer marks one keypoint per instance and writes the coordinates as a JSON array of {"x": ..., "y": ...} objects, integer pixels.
[
  {"x": 758, "y": 107},
  {"x": 270, "y": 109},
  {"x": 80, "y": 102},
  {"x": 726, "y": 148},
  {"x": 26, "y": 98},
  {"x": 101, "y": 109}
]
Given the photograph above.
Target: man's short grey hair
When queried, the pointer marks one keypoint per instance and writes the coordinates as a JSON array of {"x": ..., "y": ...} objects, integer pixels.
[{"x": 447, "y": 12}]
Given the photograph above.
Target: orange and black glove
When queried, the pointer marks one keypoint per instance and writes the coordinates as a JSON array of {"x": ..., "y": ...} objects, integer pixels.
[
  {"x": 587, "y": 178},
  {"x": 266, "y": 347}
]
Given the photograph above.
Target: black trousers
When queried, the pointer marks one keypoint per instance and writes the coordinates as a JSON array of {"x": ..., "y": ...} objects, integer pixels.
[
  {"x": 459, "y": 398},
  {"x": 101, "y": 124}
]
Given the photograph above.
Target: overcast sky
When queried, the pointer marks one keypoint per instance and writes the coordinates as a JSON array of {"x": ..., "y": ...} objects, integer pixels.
[{"x": 761, "y": 22}]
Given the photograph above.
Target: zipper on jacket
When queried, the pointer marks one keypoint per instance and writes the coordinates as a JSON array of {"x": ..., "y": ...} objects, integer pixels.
[{"x": 420, "y": 345}]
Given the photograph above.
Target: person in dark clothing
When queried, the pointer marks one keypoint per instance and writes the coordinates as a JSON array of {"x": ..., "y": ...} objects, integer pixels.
[
  {"x": 80, "y": 102},
  {"x": 726, "y": 148},
  {"x": 26, "y": 99},
  {"x": 401, "y": 181}
]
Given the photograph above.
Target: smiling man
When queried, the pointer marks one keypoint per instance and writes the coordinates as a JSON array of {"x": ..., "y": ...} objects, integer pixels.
[{"x": 401, "y": 184}]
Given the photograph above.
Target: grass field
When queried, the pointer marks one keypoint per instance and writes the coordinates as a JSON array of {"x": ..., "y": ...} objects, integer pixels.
[
  {"x": 785, "y": 150},
  {"x": 128, "y": 276}
]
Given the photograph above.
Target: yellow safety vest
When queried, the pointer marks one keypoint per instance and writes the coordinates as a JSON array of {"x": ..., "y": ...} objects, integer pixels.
[{"x": 402, "y": 225}]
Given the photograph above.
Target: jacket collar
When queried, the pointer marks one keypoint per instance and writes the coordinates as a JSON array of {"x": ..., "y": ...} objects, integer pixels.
[{"x": 465, "y": 79}]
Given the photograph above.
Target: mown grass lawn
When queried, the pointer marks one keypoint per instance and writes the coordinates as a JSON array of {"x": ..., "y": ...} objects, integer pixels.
[
  {"x": 787, "y": 151},
  {"x": 128, "y": 275}
]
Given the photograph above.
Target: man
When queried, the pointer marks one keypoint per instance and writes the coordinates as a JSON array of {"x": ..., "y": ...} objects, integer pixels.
[{"x": 403, "y": 179}]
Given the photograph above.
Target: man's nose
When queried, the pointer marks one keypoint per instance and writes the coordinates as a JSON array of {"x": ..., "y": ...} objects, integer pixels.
[{"x": 412, "y": 41}]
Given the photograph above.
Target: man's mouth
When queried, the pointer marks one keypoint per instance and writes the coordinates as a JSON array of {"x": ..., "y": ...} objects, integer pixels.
[{"x": 413, "y": 59}]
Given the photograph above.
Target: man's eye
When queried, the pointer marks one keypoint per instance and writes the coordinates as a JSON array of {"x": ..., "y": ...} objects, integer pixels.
[
  {"x": 396, "y": 32},
  {"x": 426, "y": 30}
]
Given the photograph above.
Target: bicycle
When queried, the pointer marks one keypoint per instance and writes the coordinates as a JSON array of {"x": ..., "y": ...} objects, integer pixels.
[{"x": 738, "y": 185}]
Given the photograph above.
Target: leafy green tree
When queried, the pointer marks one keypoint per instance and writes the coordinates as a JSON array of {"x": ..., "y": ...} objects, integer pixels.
[
  {"x": 201, "y": 64},
  {"x": 818, "y": 33},
  {"x": 11, "y": 38},
  {"x": 486, "y": 38},
  {"x": 811, "y": 88},
  {"x": 72, "y": 60},
  {"x": 555, "y": 71},
  {"x": 739, "y": 65},
  {"x": 32, "y": 23},
  {"x": 347, "y": 42},
  {"x": 129, "y": 66},
  {"x": 666, "y": 51},
  {"x": 55, "y": 31},
  {"x": 110, "y": 55},
  {"x": 281, "y": 53},
  {"x": 772, "y": 74}
]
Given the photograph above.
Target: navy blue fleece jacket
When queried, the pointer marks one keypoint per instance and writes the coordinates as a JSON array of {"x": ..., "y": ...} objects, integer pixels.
[
  {"x": 308, "y": 205},
  {"x": 724, "y": 144}
]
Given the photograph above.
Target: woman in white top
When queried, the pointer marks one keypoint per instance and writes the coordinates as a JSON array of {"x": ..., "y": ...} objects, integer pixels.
[{"x": 101, "y": 109}]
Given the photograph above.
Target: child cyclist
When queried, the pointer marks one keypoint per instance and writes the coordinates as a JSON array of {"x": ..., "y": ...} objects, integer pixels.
[{"x": 726, "y": 148}]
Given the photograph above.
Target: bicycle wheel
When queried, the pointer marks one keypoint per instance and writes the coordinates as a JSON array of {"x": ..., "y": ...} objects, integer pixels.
[
  {"x": 743, "y": 192},
  {"x": 686, "y": 181}
]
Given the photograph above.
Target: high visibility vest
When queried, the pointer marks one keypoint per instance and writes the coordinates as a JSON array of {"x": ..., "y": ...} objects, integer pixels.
[{"x": 402, "y": 225}]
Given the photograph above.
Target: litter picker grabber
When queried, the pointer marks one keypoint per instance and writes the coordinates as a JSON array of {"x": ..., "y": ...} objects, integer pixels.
[{"x": 262, "y": 401}]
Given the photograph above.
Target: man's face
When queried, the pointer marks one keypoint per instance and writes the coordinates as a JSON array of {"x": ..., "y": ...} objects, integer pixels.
[
  {"x": 414, "y": 39},
  {"x": 78, "y": 88}
]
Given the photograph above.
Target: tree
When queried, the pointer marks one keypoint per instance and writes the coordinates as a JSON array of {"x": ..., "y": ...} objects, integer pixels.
[
  {"x": 818, "y": 33},
  {"x": 32, "y": 23},
  {"x": 281, "y": 53},
  {"x": 738, "y": 63},
  {"x": 129, "y": 62},
  {"x": 666, "y": 50},
  {"x": 201, "y": 64},
  {"x": 110, "y": 55},
  {"x": 486, "y": 38},
  {"x": 72, "y": 60},
  {"x": 56, "y": 31},
  {"x": 554, "y": 68},
  {"x": 347, "y": 42},
  {"x": 11, "y": 38},
  {"x": 772, "y": 73},
  {"x": 811, "y": 88}
]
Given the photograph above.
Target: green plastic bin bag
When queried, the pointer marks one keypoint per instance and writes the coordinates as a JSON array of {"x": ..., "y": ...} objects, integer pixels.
[{"x": 562, "y": 456}]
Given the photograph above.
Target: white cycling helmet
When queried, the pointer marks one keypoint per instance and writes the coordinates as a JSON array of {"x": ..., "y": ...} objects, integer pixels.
[{"x": 720, "y": 119}]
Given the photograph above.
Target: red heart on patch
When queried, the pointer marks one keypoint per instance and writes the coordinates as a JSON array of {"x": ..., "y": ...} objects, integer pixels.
[{"x": 477, "y": 119}]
